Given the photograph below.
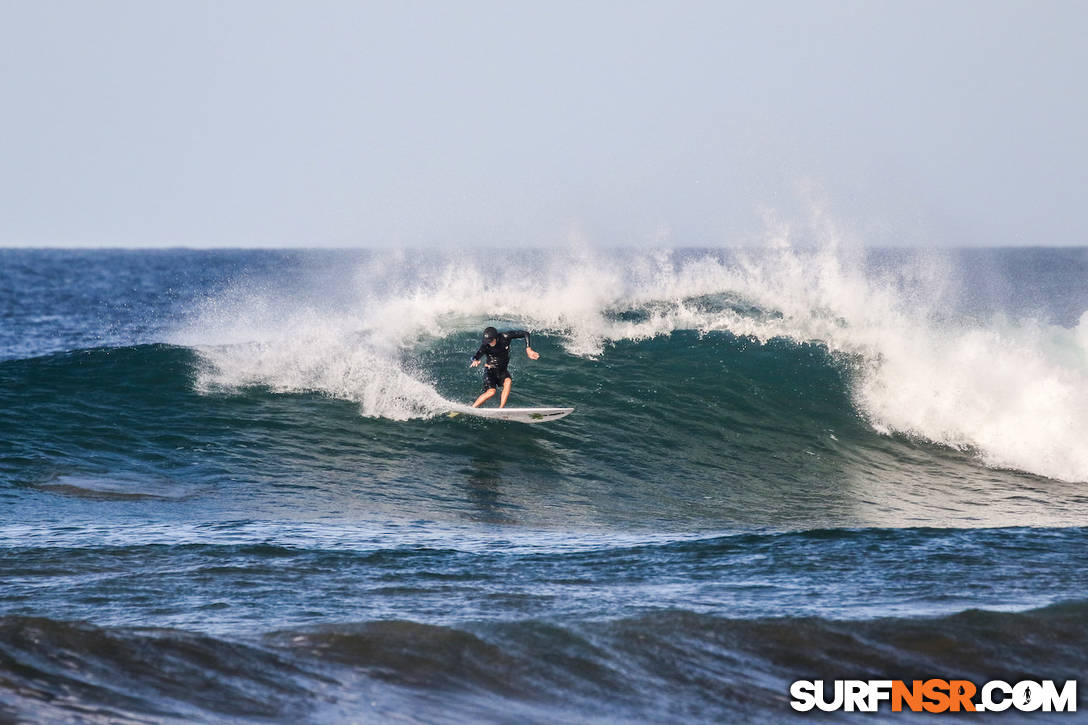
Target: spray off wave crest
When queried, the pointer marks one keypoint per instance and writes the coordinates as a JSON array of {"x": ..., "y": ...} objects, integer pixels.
[{"x": 1006, "y": 386}]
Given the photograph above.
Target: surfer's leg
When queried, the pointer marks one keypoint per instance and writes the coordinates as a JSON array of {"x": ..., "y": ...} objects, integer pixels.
[
  {"x": 486, "y": 394},
  {"x": 505, "y": 392}
]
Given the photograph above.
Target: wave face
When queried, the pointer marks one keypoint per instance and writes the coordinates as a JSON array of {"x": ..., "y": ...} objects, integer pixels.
[
  {"x": 652, "y": 668},
  {"x": 233, "y": 494},
  {"x": 923, "y": 353}
]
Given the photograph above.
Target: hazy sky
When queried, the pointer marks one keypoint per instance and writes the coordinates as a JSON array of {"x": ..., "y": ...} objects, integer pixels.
[{"x": 351, "y": 123}]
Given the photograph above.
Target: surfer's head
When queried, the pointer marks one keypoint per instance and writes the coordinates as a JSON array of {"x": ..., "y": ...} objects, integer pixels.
[{"x": 490, "y": 335}]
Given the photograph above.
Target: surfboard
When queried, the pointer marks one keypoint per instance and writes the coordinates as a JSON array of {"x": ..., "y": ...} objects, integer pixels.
[{"x": 519, "y": 415}]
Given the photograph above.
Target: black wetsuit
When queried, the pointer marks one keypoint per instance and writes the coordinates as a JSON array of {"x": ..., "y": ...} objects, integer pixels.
[{"x": 498, "y": 357}]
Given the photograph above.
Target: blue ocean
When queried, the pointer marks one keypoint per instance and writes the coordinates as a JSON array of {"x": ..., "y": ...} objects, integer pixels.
[{"x": 232, "y": 491}]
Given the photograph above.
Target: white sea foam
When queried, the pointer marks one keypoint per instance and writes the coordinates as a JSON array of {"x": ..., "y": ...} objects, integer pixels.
[{"x": 1013, "y": 390}]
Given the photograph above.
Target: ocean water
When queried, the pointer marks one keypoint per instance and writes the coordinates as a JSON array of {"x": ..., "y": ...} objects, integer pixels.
[{"x": 231, "y": 492}]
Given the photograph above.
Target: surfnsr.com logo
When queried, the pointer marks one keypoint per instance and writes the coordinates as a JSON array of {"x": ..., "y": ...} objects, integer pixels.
[{"x": 934, "y": 696}]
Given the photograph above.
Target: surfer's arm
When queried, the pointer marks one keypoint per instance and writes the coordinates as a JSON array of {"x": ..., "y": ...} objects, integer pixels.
[
  {"x": 476, "y": 357},
  {"x": 515, "y": 334}
]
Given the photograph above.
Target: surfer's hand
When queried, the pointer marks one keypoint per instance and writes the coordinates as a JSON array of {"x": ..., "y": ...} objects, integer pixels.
[
  {"x": 474, "y": 363},
  {"x": 533, "y": 354}
]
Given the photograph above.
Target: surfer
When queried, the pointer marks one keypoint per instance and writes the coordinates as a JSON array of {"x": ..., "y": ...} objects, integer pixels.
[{"x": 496, "y": 346}]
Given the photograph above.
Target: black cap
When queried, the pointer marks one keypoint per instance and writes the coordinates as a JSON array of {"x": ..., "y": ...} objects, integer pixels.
[{"x": 490, "y": 333}]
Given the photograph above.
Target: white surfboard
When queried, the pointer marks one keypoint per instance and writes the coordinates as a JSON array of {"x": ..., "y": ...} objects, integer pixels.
[{"x": 520, "y": 415}]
